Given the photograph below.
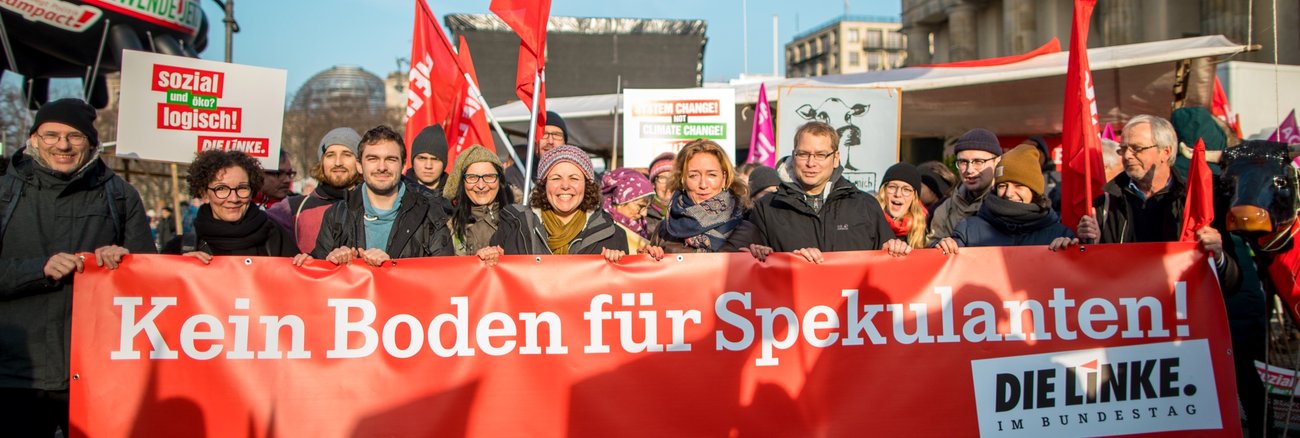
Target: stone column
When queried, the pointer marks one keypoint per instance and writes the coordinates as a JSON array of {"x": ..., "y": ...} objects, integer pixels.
[
  {"x": 1225, "y": 17},
  {"x": 962, "y": 36},
  {"x": 918, "y": 44},
  {"x": 1021, "y": 17},
  {"x": 1121, "y": 22}
]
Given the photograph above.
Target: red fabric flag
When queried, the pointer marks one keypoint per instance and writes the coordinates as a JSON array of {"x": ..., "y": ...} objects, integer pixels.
[
  {"x": 1082, "y": 176},
  {"x": 469, "y": 125},
  {"x": 1198, "y": 210},
  {"x": 432, "y": 82},
  {"x": 528, "y": 18},
  {"x": 1220, "y": 108}
]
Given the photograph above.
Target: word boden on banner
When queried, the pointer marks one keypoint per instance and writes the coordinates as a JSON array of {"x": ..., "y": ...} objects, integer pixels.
[
  {"x": 663, "y": 120},
  {"x": 173, "y": 107},
  {"x": 867, "y": 120},
  {"x": 1060, "y": 344}
]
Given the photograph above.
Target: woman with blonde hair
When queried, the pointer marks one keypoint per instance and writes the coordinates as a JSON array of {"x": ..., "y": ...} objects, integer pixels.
[
  {"x": 900, "y": 199},
  {"x": 706, "y": 206}
]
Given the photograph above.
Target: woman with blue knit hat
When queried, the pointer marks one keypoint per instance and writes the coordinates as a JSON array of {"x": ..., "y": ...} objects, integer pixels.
[{"x": 563, "y": 215}]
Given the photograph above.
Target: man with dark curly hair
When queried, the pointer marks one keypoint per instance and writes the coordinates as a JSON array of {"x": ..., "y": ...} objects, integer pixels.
[
  {"x": 386, "y": 217},
  {"x": 337, "y": 171},
  {"x": 58, "y": 199}
]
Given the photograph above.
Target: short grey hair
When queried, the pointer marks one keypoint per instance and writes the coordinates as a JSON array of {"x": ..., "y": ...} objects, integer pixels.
[{"x": 1161, "y": 131}]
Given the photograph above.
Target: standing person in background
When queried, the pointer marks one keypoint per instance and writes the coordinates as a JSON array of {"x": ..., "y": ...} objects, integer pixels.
[
  {"x": 276, "y": 184},
  {"x": 707, "y": 203},
  {"x": 763, "y": 181},
  {"x": 337, "y": 171},
  {"x": 661, "y": 169},
  {"x": 936, "y": 185},
  {"x": 626, "y": 195},
  {"x": 165, "y": 229},
  {"x": 477, "y": 192},
  {"x": 429, "y": 158}
]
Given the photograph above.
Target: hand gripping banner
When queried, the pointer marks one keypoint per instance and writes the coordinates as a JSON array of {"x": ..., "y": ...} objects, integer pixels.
[{"x": 1015, "y": 342}]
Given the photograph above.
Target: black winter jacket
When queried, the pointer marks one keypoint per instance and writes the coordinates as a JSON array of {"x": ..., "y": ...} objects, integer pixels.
[
  {"x": 521, "y": 232},
  {"x": 850, "y": 220},
  {"x": 419, "y": 231},
  {"x": 1000, "y": 222},
  {"x": 55, "y": 214}
]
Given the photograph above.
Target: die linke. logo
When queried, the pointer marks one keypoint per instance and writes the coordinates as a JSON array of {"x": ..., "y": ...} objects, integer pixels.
[{"x": 1104, "y": 391}]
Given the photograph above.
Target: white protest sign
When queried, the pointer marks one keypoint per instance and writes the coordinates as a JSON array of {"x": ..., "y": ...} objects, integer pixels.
[
  {"x": 663, "y": 120},
  {"x": 172, "y": 107},
  {"x": 867, "y": 120}
]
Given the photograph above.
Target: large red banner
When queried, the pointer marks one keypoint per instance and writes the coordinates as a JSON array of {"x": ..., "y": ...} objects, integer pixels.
[{"x": 1117, "y": 339}]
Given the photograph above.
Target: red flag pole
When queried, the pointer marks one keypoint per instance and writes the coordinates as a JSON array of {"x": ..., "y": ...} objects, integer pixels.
[{"x": 532, "y": 135}]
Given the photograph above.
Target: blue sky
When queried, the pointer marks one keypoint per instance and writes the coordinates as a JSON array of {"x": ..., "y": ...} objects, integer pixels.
[{"x": 374, "y": 33}]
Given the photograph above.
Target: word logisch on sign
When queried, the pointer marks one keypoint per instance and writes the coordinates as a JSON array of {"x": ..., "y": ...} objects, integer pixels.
[{"x": 184, "y": 118}]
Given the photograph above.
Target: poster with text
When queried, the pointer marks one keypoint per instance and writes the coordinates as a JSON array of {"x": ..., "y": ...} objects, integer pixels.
[
  {"x": 664, "y": 120},
  {"x": 173, "y": 107},
  {"x": 866, "y": 119}
]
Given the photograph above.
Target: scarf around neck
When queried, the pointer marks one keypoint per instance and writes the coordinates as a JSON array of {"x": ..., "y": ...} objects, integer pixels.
[
  {"x": 559, "y": 234},
  {"x": 705, "y": 225},
  {"x": 636, "y": 225},
  {"x": 900, "y": 226},
  {"x": 250, "y": 231}
]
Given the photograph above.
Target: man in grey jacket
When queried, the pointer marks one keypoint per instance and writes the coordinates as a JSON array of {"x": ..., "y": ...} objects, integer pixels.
[
  {"x": 978, "y": 153},
  {"x": 56, "y": 200}
]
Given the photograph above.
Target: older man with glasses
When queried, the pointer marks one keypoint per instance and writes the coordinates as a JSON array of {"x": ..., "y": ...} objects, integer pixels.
[{"x": 978, "y": 154}]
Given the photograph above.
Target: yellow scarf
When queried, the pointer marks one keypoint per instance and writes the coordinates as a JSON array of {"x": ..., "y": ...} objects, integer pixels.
[{"x": 559, "y": 234}]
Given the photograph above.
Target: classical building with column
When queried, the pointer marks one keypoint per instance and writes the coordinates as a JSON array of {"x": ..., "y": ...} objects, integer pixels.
[
  {"x": 941, "y": 31},
  {"x": 847, "y": 44}
]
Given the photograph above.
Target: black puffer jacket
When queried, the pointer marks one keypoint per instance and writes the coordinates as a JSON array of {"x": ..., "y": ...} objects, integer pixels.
[
  {"x": 850, "y": 220},
  {"x": 1000, "y": 222},
  {"x": 419, "y": 231},
  {"x": 521, "y": 232},
  {"x": 55, "y": 214}
]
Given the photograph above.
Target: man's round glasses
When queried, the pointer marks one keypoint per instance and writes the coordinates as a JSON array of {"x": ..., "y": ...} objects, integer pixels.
[
  {"x": 977, "y": 162},
  {"x": 74, "y": 138}
]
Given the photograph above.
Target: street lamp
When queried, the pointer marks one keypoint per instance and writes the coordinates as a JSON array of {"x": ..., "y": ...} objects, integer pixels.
[{"x": 231, "y": 26}]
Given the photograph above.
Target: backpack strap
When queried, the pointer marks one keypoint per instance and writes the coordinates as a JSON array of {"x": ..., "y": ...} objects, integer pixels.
[{"x": 116, "y": 194}]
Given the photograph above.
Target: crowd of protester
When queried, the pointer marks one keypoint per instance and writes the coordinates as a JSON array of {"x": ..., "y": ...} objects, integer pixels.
[{"x": 59, "y": 199}]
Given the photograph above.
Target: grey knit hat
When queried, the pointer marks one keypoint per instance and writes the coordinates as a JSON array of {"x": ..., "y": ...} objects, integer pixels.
[{"x": 347, "y": 137}]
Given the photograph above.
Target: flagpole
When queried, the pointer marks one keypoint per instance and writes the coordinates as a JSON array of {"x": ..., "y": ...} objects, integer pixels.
[
  {"x": 478, "y": 95},
  {"x": 532, "y": 136}
]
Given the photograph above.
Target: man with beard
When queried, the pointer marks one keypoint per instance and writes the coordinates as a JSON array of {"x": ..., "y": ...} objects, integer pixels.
[
  {"x": 276, "y": 184},
  {"x": 384, "y": 218},
  {"x": 58, "y": 199},
  {"x": 429, "y": 158},
  {"x": 337, "y": 172}
]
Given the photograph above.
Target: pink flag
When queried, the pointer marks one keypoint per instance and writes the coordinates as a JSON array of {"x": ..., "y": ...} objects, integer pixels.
[
  {"x": 1108, "y": 133},
  {"x": 1287, "y": 132},
  {"x": 762, "y": 144}
]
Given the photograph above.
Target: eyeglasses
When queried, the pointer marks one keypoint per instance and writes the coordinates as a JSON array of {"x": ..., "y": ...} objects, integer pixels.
[
  {"x": 490, "y": 178},
  {"x": 901, "y": 189},
  {"x": 979, "y": 163},
  {"x": 1123, "y": 149},
  {"x": 280, "y": 173},
  {"x": 553, "y": 135},
  {"x": 223, "y": 192},
  {"x": 805, "y": 156},
  {"x": 52, "y": 138}
]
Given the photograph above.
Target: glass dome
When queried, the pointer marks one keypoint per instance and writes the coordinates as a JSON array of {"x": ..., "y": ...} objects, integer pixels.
[{"x": 342, "y": 87}]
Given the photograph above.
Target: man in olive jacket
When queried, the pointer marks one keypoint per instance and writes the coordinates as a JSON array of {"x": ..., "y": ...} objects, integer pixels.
[
  {"x": 57, "y": 199},
  {"x": 815, "y": 209}
]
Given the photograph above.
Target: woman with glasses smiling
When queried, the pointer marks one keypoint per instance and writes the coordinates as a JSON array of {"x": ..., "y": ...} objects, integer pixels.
[
  {"x": 475, "y": 190},
  {"x": 228, "y": 223}
]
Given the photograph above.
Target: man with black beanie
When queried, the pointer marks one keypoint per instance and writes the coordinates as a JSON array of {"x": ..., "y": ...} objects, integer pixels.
[
  {"x": 429, "y": 158},
  {"x": 58, "y": 199}
]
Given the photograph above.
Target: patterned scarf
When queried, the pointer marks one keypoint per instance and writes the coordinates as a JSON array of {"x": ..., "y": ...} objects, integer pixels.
[
  {"x": 705, "y": 225},
  {"x": 559, "y": 234}
]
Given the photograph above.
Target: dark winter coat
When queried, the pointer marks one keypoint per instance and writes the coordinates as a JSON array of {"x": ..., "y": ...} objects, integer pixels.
[
  {"x": 1001, "y": 222},
  {"x": 253, "y": 235},
  {"x": 53, "y": 215},
  {"x": 850, "y": 220},
  {"x": 1125, "y": 217},
  {"x": 419, "y": 231},
  {"x": 521, "y": 232}
]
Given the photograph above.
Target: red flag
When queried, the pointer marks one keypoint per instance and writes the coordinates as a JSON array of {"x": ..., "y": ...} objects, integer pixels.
[
  {"x": 1220, "y": 109},
  {"x": 528, "y": 18},
  {"x": 1198, "y": 210},
  {"x": 433, "y": 78},
  {"x": 1082, "y": 176},
  {"x": 469, "y": 125}
]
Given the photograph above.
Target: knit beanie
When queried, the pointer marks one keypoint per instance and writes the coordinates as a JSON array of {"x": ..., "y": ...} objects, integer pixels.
[
  {"x": 345, "y": 136},
  {"x": 72, "y": 112},
  {"x": 936, "y": 183},
  {"x": 662, "y": 163},
  {"x": 979, "y": 139},
  {"x": 904, "y": 172},
  {"x": 554, "y": 119},
  {"x": 1021, "y": 167},
  {"x": 761, "y": 178},
  {"x": 475, "y": 154},
  {"x": 624, "y": 185},
  {"x": 431, "y": 140},
  {"x": 565, "y": 153}
]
